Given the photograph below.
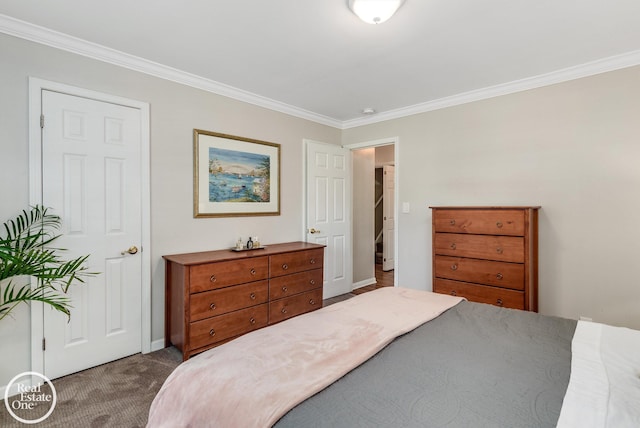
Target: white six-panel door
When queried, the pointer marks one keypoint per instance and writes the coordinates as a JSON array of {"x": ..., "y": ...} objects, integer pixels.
[
  {"x": 328, "y": 210},
  {"x": 91, "y": 177}
]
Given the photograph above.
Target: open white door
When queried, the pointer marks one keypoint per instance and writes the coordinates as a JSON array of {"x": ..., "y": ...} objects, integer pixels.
[
  {"x": 388, "y": 221},
  {"x": 91, "y": 177},
  {"x": 328, "y": 212}
]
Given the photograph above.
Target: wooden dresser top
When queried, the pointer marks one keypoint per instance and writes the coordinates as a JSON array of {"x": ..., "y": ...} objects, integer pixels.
[{"x": 222, "y": 255}]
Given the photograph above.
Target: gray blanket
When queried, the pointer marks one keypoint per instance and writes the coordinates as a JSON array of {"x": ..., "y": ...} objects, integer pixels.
[{"x": 474, "y": 366}]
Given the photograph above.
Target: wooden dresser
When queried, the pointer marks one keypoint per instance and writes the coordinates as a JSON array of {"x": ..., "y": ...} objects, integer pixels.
[
  {"x": 487, "y": 254},
  {"x": 212, "y": 297}
]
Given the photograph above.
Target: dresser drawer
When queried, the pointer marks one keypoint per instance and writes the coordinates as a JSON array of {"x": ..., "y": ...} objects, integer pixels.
[
  {"x": 216, "y": 329},
  {"x": 229, "y": 299},
  {"x": 299, "y": 261},
  {"x": 501, "y": 274},
  {"x": 487, "y": 222},
  {"x": 289, "y": 285},
  {"x": 490, "y": 247},
  {"x": 211, "y": 276},
  {"x": 282, "y": 309},
  {"x": 481, "y": 293}
]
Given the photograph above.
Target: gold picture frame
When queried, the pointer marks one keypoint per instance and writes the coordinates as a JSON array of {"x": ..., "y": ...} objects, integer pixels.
[{"x": 234, "y": 176}]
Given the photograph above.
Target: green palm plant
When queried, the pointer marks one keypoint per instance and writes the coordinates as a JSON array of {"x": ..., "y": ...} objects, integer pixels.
[{"x": 26, "y": 251}]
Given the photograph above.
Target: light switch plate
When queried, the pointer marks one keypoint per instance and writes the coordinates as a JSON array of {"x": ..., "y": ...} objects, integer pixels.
[{"x": 406, "y": 207}]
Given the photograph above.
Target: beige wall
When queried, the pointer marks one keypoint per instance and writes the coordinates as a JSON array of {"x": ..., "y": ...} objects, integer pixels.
[
  {"x": 363, "y": 216},
  {"x": 175, "y": 111},
  {"x": 573, "y": 148},
  {"x": 384, "y": 155}
]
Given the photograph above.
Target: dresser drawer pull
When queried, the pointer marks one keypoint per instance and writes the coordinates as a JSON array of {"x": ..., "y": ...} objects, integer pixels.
[
  {"x": 285, "y": 266},
  {"x": 284, "y": 289},
  {"x": 499, "y": 276},
  {"x": 312, "y": 302},
  {"x": 252, "y": 321},
  {"x": 499, "y": 224},
  {"x": 453, "y": 293},
  {"x": 212, "y": 332},
  {"x": 283, "y": 310},
  {"x": 452, "y": 222},
  {"x": 312, "y": 282},
  {"x": 212, "y": 278},
  {"x": 454, "y": 266},
  {"x": 212, "y": 306},
  {"x": 312, "y": 261},
  {"x": 252, "y": 296},
  {"x": 252, "y": 271},
  {"x": 499, "y": 250},
  {"x": 453, "y": 246},
  {"x": 499, "y": 302}
]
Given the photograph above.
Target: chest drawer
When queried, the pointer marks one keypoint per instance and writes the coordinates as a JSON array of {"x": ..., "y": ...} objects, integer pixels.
[
  {"x": 289, "y": 285},
  {"x": 500, "y": 274},
  {"x": 490, "y": 247},
  {"x": 216, "y": 329},
  {"x": 480, "y": 293},
  {"x": 487, "y": 222},
  {"x": 218, "y": 302},
  {"x": 300, "y": 261},
  {"x": 211, "y": 276},
  {"x": 282, "y": 309}
]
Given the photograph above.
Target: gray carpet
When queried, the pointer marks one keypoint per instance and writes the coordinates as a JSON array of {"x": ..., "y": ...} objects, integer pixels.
[{"x": 117, "y": 394}]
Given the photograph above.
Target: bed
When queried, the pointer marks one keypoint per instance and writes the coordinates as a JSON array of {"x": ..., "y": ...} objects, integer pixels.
[{"x": 405, "y": 358}]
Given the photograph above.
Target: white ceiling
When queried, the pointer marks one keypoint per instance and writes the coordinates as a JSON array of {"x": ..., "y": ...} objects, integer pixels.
[{"x": 319, "y": 60}]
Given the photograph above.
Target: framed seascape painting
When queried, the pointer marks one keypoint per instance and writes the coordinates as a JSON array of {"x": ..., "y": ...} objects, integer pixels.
[{"x": 235, "y": 176}]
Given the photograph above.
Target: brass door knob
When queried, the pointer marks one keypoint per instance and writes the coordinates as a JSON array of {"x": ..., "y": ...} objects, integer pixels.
[
  {"x": 132, "y": 250},
  {"x": 313, "y": 230}
]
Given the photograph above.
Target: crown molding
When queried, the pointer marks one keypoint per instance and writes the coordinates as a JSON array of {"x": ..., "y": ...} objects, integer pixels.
[
  {"x": 604, "y": 65},
  {"x": 24, "y": 30}
]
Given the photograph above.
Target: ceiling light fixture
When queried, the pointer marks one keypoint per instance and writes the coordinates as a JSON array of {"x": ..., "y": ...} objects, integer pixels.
[{"x": 375, "y": 11}]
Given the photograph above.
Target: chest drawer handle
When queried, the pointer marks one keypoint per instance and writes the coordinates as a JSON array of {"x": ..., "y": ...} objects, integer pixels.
[
  {"x": 212, "y": 332},
  {"x": 453, "y": 246},
  {"x": 499, "y": 224},
  {"x": 499, "y": 302},
  {"x": 312, "y": 282},
  {"x": 454, "y": 266},
  {"x": 499, "y": 250},
  {"x": 252, "y": 321},
  {"x": 452, "y": 222},
  {"x": 453, "y": 293},
  {"x": 312, "y": 302},
  {"x": 285, "y": 266},
  {"x": 252, "y": 296},
  {"x": 284, "y": 289},
  {"x": 499, "y": 276},
  {"x": 212, "y": 306},
  {"x": 312, "y": 261},
  {"x": 212, "y": 278},
  {"x": 283, "y": 310},
  {"x": 252, "y": 271}
]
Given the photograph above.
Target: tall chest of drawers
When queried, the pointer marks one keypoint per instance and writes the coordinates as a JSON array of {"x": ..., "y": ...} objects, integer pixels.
[
  {"x": 487, "y": 254},
  {"x": 212, "y": 297}
]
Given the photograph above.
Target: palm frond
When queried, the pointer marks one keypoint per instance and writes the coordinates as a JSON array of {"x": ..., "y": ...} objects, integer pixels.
[{"x": 26, "y": 250}]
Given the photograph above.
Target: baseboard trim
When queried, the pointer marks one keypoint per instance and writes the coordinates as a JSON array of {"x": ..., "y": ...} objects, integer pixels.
[
  {"x": 14, "y": 388},
  {"x": 364, "y": 283}
]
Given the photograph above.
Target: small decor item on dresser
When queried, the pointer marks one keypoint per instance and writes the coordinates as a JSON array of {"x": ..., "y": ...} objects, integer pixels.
[
  {"x": 239, "y": 244},
  {"x": 249, "y": 244}
]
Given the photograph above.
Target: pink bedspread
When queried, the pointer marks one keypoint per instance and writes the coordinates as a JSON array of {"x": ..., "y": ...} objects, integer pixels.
[{"x": 255, "y": 379}]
